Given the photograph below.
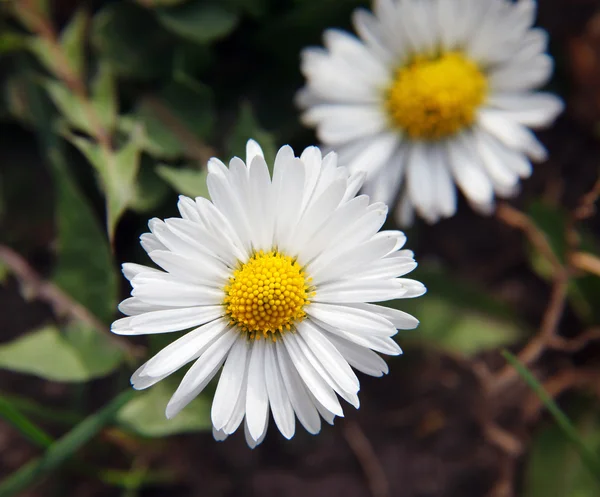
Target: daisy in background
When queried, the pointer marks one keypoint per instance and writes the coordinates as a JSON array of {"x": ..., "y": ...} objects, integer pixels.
[
  {"x": 275, "y": 278},
  {"x": 433, "y": 93}
]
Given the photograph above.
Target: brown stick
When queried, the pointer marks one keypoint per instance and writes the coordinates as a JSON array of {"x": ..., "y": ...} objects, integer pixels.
[
  {"x": 365, "y": 454},
  {"x": 60, "y": 301},
  {"x": 522, "y": 222}
]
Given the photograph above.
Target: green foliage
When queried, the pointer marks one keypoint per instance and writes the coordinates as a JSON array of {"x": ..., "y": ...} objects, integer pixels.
[
  {"x": 199, "y": 21},
  {"x": 551, "y": 220},
  {"x": 63, "y": 448},
  {"x": 117, "y": 171},
  {"x": 72, "y": 41},
  {"x": 79, "y": 354},
  {"x": 458, "y": 317},
  {"x": 12, "y": 415},
  {"x": 131, "y": 41},
  {"x": 84, "y": 267},
  {"x": 554, "y": 469},
  {"x": 174, "y": 120},
  {"x": 589, "y": 455},
  {"x": 145, "y": 414},
  {"x": 190, "y": 182}
]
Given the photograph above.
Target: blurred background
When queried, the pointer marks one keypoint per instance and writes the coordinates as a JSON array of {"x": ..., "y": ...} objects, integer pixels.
[{"x": 110, "y": 109}]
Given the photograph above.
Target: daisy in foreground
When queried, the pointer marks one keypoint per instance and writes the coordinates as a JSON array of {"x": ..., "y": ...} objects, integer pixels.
[
  {"x": 276, "y": 276},
  {"x": 434, "y": 92}
]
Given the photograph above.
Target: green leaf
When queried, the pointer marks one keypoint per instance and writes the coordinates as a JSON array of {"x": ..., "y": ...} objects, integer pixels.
[
  {"x": 72, "y": 41},
  {"x": 104, "y": 97},
  {"x": 120, "y": 180},
  {"x": 589, "y": 456},
  {"x": 189, "y": 182},
  {"x": 150, "y": 189},
  {"x": 84, "y": 268},
  {"x": 11, "y": 41},
  {"x": 45, "y": 54},
  {"x": 199, "y": 21},
  {"x": 29, "y": 429},
  {"x": 131, "y": 41},
  {"x": 118, "y": 171},
  {"x": 70, "y": 106},
  {"x": 62, "y": 449},
  {"x": 248, "y": 127},
  {"x": 145, "y": 413},
  {"x": 458, "y": 317},
  {"x": 180, "y": 113},
  {"x": 458, "y": 329},
  {"x": 554, "y": 468},
  {"x": 53, "y": 356}
]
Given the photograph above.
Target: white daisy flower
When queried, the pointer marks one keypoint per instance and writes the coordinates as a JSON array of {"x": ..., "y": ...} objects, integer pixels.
[
  {"x": 276, "y": 278},
  {"x": 433, "y": 93}
]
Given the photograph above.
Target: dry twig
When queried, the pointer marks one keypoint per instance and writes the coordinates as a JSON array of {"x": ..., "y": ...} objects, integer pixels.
[
  {"x": 60, "y": 302},
  {"x": 365, "y": 454}
]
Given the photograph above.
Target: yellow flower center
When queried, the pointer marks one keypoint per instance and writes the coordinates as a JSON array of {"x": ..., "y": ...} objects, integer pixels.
[
  {"x": 435, "y": 98},
  {"x": 267, "y": 294}
]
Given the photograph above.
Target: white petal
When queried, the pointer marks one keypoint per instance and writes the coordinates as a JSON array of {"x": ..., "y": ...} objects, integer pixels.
[
  {"x": 529, "y": 109},
  {"x": 351, "y": 318},
  {"x": 361, "y": 358},
  {"x": 314, "y": 382},
  {"x": 230, "y": 384},
  {"x": 350, "y": 291},
  {"x": 133, "y": 306},
  {"x": 329, "y": 357},
  {"x": 257, "y": 399},
  {"x": 130, "y": 270},
  {"x": 203, "y": 370},
  {"x": 339, "y": 123},
  {"x": 400, "y": 319},
  {"x": 253, "y": 150},
  {"x": 185, "y": 349},
  {"x": 201, "y": 268},
  {"x": 299, "y": 398},
  {"x": 512, "y": 133},
  {"x": 281, "y": 407},
  {"x": 326, "y": 269},
  {"x": 167, "y": 291},
  {"x": 468, "y": 173},
  {"x": 166, "y": 321}
]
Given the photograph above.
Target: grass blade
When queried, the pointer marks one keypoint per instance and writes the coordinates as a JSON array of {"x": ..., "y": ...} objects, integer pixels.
[
  {"x": 588, "y": 456},
  {"x": 63, "y": 448},
  {"x": 29, "y": 429}
]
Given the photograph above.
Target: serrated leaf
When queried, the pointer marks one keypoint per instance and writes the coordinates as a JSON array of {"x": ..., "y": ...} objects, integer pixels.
[
  {"x": 189, "y": 182},
  {"x": 72, "y": 42},
  {"x": 145, "y": 414},
  {"x": 248, "y": 127},
  {"x": 131, "y": 41},
  {"x": 117, "y": 170},
  {"x": 104, "y": 96},
  {"x": 53, "y": 356},
  {"x": 199, "y": 21},
  {"x": 84, "y": 268},
  {"x": 70, "y": 106},
  {"x": 120, "y": 180}
]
